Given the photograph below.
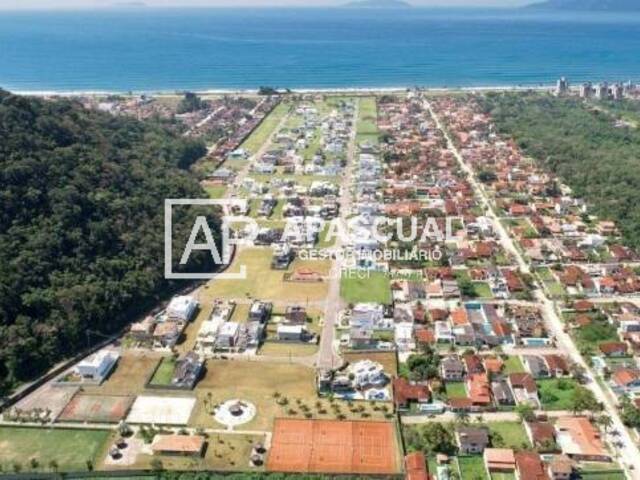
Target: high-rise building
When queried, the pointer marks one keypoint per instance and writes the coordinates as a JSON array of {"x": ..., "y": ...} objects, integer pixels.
[
  {"x": 602, "y": 91},
  {"x": 562, "y": 86},
  {"x": 586, "y": 89},
  {"x": 618, "y": 91}
]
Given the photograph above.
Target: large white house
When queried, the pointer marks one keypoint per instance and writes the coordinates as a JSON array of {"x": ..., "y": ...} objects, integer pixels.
[
  {"x": 182, "y": 308},
  {"x": 96, "y": 367}
]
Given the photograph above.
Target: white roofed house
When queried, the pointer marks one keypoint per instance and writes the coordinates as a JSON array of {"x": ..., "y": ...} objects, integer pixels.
[
  {"x": 367, "y": 374},
  {"x": 182, "y": 308},
  {"x": 98, "y": 366},
  {"x": 291, "y": 333},
  {"x": 228, "y": 336},
  {"x": 403, "y": 336}
]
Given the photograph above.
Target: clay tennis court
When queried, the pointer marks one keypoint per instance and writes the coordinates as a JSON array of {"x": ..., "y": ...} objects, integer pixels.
[
  {"x": 331, "y": 446},
  {"x": 96, "y": 408}
]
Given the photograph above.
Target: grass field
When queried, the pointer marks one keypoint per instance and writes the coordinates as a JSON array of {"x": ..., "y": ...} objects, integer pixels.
[
  {"x": 371, "y": 287},
  {"x": 130, "y": 376},
  {"x": 556, "y": 394},
  {"x": 456, "y": 390},
  {"x": 482, "y": 290},
  {"x": 164, "y": 373},
  {"x": 513, "y": 364},
  {"x": 71, "y": 449},
  {"x": 266, "y": 128},
  {"x": 513, "y": 434},
  {"x": 215, "y": 191},
  {"x": 257, "y": 382},
  {"x": 279, "y": 349},
  {"x": 503, "y": 476},
  {"x": 367, "y": 123},
  {"x": 472, "y": 467},
  {"x": 262, "y": 282}
]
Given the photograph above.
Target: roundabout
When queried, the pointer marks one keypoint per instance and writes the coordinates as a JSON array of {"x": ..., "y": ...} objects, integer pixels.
[{"x": 234, "y": 412}]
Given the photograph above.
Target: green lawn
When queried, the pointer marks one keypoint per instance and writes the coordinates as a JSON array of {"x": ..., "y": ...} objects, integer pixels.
[
  {"x": 482, "y": 290},
  {"x": 503, "y": 476},
  {"x": 603, "y": 475},
  {"x": 513, "y": 434},
  {"x": 71, "y": 449},
  {"x": 363, "y": 286},
  {"x": 266, "y": 128},
  {"x": 164, "y": 373},
  {"x": 367, "y": 124},
  {"x": 472, "y": 467},
  {"x": 456, "y": 390},
  {"x": 216, "y": 192},
  {"x": 513, "y": 364},
  {"x": 556, "y": 394}
]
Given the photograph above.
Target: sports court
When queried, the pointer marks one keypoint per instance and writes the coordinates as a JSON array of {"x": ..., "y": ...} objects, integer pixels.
[
  {"x": 96, "y": 408},
  {"x": 331, "y": 446},
  {"x": 161, "y": 410}
]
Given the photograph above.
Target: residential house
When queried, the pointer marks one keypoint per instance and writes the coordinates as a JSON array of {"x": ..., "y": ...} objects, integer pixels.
[
  {"x": 98, "y": 366},
  {"x": 405, "y": 393},
  {"x": 452, "y": 369},
  {"x": 472, "y": 440},
  {"x": 529, "y": 466},
  {"x": 524, "y": 388},
  {"x": 580, "y": 440},
  {"x": 499, "y": 460}
]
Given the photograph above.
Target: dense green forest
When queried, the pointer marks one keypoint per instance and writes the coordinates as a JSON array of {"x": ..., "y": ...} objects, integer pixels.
[
  {"x": 584, "y": 145},
  {"x": 81, "y": 225}
]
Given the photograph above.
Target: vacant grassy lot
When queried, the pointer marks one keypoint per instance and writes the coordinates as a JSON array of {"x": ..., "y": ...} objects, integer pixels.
[
  {"x": 227, "y": 452},
  {"x": 503, "y": 476},
  {"x": 456, "y": 390},
  {"x": 262, "y": 282},
  {"x": 482, "y": 290},
  {"x": 358, "y": 287},
  {"x": 556, "y": 393},
  {"x": 255, "y": 382},
  {"x": 71, "y": 449},
  {"x": 130, "y": 376},
  {"x": 215, "y": 191},
  {"x": 164, "y": 373},
  {"x": 367, "y": 123},
  {"x": 512, "y": 433},
  {"x": 472, "y": 467},
  {"x": 266, "y": 128},
  {"x": 513, "y": 364},
  {"x": 278, "y": 349}
]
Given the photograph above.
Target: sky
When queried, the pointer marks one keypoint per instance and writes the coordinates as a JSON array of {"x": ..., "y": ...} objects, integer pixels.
[{"x": 65, "y": 4}]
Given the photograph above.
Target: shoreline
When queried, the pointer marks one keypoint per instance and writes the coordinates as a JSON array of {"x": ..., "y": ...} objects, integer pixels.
[{"x": 248, "y": 91}]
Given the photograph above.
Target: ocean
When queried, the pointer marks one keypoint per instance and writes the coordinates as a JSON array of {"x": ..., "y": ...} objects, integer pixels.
[{"x": 308, "y": 48}]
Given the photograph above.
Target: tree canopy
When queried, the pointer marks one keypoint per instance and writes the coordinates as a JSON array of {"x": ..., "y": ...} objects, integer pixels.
[
  {"x": 584, "y": 145},
  {"x": 81, "y": 225}
]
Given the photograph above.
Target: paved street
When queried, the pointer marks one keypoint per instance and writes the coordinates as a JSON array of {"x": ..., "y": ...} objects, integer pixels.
[{"x": 328, "y": 358}]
